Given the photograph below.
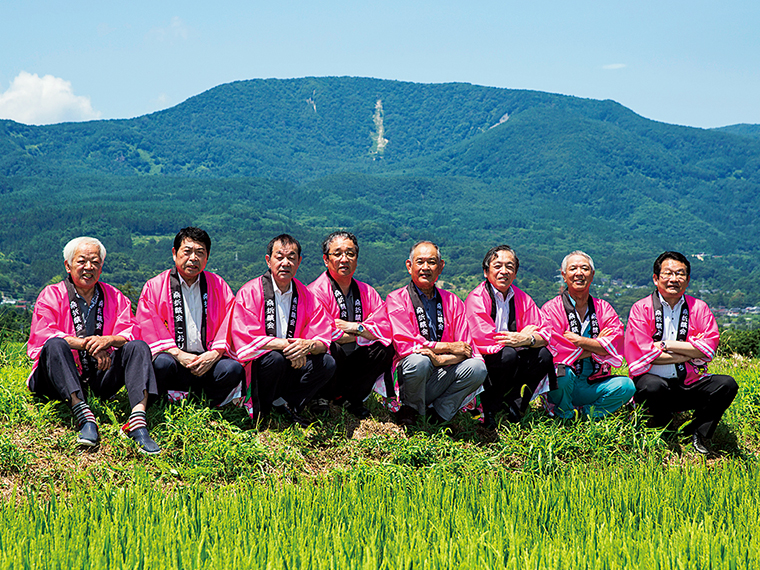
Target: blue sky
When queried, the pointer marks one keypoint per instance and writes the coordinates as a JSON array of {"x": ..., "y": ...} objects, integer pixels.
[{"x": 692, "y": 63}]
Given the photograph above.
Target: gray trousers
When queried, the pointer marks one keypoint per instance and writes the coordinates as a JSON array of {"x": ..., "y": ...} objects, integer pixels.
[{"x": 445, "y": 387}]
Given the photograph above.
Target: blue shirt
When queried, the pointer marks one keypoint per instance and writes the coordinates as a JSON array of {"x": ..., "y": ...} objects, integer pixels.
[{"x": 431, "y": 314}]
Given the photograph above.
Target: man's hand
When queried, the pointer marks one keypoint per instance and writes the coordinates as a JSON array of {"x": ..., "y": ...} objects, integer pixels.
[
  {"x": 574, "y": 338},
  {"x": 435, "y": 358},
  {"x": 297, "y": 349},
  {"x": 186, "y": 359},
  {"x": 349, "y": 331},
  {"x": 103, "y": 360},
  {"x": 458, "y": 348},
  {"x": 94, "y": 344},
  {"x": 681, "y": 350},
  {"x": 578, "y": 340},
  {"x": 513, "y": 339},
  {"x": 589, "y": 345},
  {"x": 202, "y": 363},
  {"x": 98, "y": 347},
  {"x": 346, "y": 326}
]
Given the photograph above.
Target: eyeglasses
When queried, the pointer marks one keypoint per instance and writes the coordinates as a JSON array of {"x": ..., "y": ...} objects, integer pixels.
[
  {"x": 667, "y": 274},
  {"x": 510, "y": 267},
  {"x": 349, "y": 253}
]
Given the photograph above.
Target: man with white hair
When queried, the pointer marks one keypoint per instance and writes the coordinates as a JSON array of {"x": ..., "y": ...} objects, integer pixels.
[
  {"x": 586, "y": 342},
  {"x": 436, "y": 364},
  {"x": 82, "y": 341}
]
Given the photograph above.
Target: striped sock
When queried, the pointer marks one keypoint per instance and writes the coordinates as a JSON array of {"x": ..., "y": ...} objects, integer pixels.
[
  {"x": 83, "y": 413},
  {"x": 136, "y": 420}
]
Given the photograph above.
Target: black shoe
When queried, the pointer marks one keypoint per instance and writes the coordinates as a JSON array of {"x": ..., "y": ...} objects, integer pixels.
[
  {"x": 406, "y": 416},
  {"x": 514, "y": 414},
  {"x": 489, "y": 420},
  {"x": 145, "y": 443},
  {"x": 319, "y": 406},
  {"x": 87, "y": 436},
  {"x": 700, "y": 445},
  {"x": 288, "y": 412},
  {"x": 358, "y": 410},
  {"x": 433, "y": 418}
]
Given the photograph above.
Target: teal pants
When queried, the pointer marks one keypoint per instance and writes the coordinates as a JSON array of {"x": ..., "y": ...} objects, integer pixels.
[{"x": 595, "y": 400}]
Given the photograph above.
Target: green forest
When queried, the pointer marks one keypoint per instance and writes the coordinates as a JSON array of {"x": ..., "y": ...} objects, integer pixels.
[{"x": 466, "y": 166}]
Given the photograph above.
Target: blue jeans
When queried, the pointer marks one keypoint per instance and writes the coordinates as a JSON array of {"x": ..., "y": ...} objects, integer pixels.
[{"x": 595, "y": 400}]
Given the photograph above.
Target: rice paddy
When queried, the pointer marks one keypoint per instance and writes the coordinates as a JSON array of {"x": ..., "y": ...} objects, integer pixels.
[{"x": 349, "y": 494}]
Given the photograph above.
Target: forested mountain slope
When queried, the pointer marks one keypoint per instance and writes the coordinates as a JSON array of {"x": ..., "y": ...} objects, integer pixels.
[{"x": 466, "y": 165}]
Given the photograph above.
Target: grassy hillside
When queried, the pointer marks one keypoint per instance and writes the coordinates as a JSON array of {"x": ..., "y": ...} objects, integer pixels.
[
  {"x": 219, "y": 447},
  {"x": 345, "y": 494}
]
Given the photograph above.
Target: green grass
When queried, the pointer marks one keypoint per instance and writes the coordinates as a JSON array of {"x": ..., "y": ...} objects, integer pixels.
[
  {"x": 636, "y": 517},
  {"x": 347, "y": 494}
]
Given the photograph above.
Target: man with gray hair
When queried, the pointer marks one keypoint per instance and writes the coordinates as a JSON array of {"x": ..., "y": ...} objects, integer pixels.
[
  {"x": 436, "y": 365},
  {"x": 586, "y": 342},
  {"x": 82, "y": 341}
]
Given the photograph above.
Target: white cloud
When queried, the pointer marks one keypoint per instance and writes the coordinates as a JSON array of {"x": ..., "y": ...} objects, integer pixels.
[
  {"x": 614, "y": 66},
  {"x": 175, "y": 30},
  {"x": 36, "y": 100}
]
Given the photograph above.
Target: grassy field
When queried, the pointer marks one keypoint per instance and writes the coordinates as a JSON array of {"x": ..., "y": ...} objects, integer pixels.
[{"x": 349, "y": 494}]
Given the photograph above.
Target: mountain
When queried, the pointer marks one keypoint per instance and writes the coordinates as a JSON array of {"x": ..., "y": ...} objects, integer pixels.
[
  {"x": 744, "y": 130},
  {"x": 466, "y": 165}
]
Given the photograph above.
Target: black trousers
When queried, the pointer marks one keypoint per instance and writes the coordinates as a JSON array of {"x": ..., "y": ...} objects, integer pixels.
[
  {"x": 216, "y": 384},
  {"x": 709, "y": 398},
  {"x": 357, "y": 371},
  {"x": 508, "y": 370},
  {"x": 56, "y": 376},
  {"x": 273, "y": 377}
]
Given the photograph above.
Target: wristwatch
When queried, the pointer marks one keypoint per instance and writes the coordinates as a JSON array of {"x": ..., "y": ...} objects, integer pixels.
[
  {"x": 360, "y": 328},
  {"x": 532, "y": 340}
]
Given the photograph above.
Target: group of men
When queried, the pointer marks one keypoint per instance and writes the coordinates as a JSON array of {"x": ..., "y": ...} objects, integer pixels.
[{"x": 280, "y": 345}]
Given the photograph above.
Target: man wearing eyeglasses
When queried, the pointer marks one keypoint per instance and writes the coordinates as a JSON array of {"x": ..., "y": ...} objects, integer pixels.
[
  {"x": 511, "y": 333},
  {"x": 669, "y": 340},
  {"x": 361, "y": 341}
]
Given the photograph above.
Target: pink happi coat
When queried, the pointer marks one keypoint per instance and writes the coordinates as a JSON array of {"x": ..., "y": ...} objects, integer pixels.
[
  {"x": 52, "y": 318},
  {"x": 155, "y": 313},
  {"x": 247, "y": 330},
  {"x": 374, "y": 317},
  {"x": 641, "y": 351},
  {"x": 565, "y": 352},
  {"x": 406, "y": 331},
  {"x": 478, "y": 305}
]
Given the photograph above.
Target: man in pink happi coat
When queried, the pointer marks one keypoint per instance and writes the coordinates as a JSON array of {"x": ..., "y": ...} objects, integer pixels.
[
  {"x": 511, "y": 333},
  {"x": 669, "y": 340},
  {"x": 435, "y": 361},
  {"x": 83, "y": 341},
  {"x": 183, "y": 315},
  {"x": 586, "y": 342},
  {"x": 281, "y": 333},
  {"x": 361, "y": 343}
]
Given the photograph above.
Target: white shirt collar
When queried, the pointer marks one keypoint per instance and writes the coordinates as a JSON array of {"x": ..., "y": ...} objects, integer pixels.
[
  {"x": 666, "y": 305},
  {"x": 183, "y": 282},
  {"x": 277, "y": 291},
  {"x": 499, "y": 296}
]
